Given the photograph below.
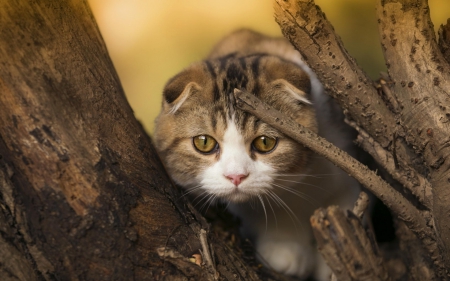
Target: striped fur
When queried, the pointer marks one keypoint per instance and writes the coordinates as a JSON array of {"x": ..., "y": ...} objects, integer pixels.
[{"x": 210, "y": 104}]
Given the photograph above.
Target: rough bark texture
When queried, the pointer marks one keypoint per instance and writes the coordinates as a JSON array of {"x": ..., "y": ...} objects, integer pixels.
[
  {"x": 403, "y": 125},
  {"x": 369, "y": 179},
  {"x": 354, "y": 254},
  {"x": 83, "y": 195}
]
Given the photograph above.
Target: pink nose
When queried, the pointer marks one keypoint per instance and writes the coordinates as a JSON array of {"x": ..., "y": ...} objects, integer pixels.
[{"x": 236, "y": 179}]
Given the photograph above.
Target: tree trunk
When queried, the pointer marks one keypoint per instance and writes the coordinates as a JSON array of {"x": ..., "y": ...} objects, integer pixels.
[{"x": 83, "y": 194}]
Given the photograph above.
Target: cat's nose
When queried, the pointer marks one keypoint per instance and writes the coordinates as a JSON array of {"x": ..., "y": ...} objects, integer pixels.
[{"x": 236, "y": 179}]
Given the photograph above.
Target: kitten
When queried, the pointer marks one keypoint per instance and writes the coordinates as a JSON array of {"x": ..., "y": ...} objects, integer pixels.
[{"x": 217, "y": 151}]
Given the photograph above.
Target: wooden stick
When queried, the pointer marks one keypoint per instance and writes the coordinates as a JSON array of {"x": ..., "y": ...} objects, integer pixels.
[
  {"x": 207, "y": 254},
  {"x": 361, "y": 204},
  {"x": 406, "y": 175},
  {"x": 346, "y": 247}
]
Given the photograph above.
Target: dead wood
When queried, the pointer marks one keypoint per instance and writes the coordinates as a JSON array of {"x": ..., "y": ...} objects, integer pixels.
[
  {"x": 444, "y": 40},
  {"x": 403, "y": 125},
  {"x": 348, "y": 250},
  {"x": 83, "y": 195},
  {"x": 393, "y": 199},
  {"x": 414, "y": 257}
]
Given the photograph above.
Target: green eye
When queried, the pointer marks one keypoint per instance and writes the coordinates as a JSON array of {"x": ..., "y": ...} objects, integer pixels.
[
  {"x": 264, "y": 144},
  {"x": 205, "y": 143}
]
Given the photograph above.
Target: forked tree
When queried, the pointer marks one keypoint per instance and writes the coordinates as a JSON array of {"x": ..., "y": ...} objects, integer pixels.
[{"x": 83, "y": 195}]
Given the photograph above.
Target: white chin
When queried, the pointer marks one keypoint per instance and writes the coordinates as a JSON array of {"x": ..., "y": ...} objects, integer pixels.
[{"x": 236, "y": 196}]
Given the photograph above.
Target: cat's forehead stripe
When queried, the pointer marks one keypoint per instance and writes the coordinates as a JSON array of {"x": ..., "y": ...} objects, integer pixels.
[
  {"x": 255, "y": 70},
  {"x": 236, "y": 77},
  {"x": 211, "y": 69},
  {"x": 223, "y": 60},
  {"x": 232, "y": 72},
  {"x": 229, "y": 72},
  {"x": 216, "y": 91},
  {"x": 214, "y": 122},
  {"x": 241, "y": 73},
  {"x": 242, "y": 62},
  {"x": 255, "y": 66}
]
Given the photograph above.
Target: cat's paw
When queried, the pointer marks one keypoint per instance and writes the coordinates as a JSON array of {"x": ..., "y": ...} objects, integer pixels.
[{"x": 288, "y": 257}]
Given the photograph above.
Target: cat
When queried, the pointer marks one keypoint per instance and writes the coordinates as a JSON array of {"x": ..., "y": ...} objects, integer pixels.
[{"x": 218, "y": 152}]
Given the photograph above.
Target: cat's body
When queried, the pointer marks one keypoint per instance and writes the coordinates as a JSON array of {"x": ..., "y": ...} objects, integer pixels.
[{"x": 213, "y": 149}]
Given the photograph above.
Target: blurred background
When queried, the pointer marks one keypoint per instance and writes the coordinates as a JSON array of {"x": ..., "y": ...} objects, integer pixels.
[{"x": 150, "y": 41}]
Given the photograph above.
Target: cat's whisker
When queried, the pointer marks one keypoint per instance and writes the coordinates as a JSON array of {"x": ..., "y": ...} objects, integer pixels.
[
  {"x": 306, "y": 175},
  {"x": 191, "y": 190},
  {"x": 211, "y": 201},
  {"x": 228, "y": 205},
  {"x": 209, "y": 197},
  {"x": 287, "y": 209},
  {"x": 314, "y": 203},
  {"x": 252, "y": 203},
  {"x": 307, "y": 184},
  {"x": 203, "y": 195},
  {"x": 273, "y": 211},
  {"x": 264, "y": 207},
  {"x": 275, "y": 201},
  {"x": 199, "y": 195},
  {"x": 281, "y": 203}
]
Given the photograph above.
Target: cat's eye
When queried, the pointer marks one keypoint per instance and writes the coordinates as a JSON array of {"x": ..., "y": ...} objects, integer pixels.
[
  {"x": 205, "y": 143},
  {"x": 264, "y": 144}
]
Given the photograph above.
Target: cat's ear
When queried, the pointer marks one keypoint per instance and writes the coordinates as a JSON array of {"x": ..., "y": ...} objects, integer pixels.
[
  {"x": 288, "y": 77},
  {"x": 181, "y": 87},
  {"x": 296, "y": 93},
  {"x": 177, "y": 93}
]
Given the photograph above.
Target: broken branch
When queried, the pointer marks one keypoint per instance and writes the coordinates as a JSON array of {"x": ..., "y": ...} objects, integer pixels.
[
  {"x": 361, "y": 205},
  {"x": 419, "y": 186},
  {"x": 346, "y": 247},
  {"x": 207, "y": 254},
  {"x": 392, "y": 198}
]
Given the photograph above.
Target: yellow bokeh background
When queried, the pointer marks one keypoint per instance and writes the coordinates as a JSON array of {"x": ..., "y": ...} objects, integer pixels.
[{"x": 149, "y": 41}]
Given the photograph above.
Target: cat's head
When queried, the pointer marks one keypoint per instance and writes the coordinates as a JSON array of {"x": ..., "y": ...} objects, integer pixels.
[{"x": 207, "y": 143}]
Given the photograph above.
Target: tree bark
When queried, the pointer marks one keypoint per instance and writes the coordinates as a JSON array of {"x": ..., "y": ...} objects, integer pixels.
[
  {"x": 403, "y": 123},
  {"x": 83, "y": 194}
]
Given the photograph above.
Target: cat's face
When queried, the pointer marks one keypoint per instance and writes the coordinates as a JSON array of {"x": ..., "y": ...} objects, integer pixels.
[{"x": 209, "y": 145}]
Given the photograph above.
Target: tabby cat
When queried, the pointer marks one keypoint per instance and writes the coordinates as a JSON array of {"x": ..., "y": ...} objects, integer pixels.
[{"x": 218, "y": 152}]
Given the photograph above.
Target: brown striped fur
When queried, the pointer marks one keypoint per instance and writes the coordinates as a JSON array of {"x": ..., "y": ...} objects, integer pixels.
[{"x": 210, "y": 103}]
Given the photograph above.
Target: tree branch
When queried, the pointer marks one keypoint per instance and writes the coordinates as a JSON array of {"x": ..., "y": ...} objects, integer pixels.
[
  {"x": 304, "y": 24},
  {"x": 345, "y": 245},
  {"x": 397, "y": 167},
  {"x": 444, "y": 40},
  {"x": 361, "y": 205},
  {"x": 414, "y": 255},
  {"x": 415, "y": 219},
  {"x": 422, "y": 81}
]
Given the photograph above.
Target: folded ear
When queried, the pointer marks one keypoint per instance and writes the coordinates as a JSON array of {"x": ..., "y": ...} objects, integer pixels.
[
  {"x": 183, "y": 86},
  {"x": 288, "y": 77},
  {"x": 174, "y": 102},
  {"x": 295, "y": 92}
]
